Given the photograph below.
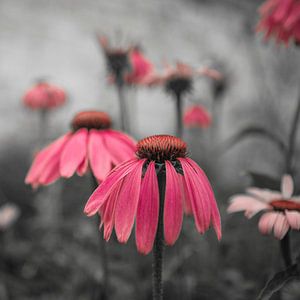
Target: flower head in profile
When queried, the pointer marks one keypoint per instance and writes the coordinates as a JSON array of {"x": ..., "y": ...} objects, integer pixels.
[
  {"x": 281, "y": 19},
  {"x": 127, "y": 64},
  {"x": 132, "y": 193},
  {"x": 281, "y": 209},
  {"x": 91, "y": 143},
  {"x": 197, "y": 116},
  {"x": 44, "y": 96},
  {"x": 178, "y": 79},
  {"x": 141, "y": 68}
]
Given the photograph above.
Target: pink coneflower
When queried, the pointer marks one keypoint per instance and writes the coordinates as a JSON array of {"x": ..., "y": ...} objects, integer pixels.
[
  {"x": 197, "y": 116},
  {"x": 91, "y": 143},
  {"x": 141, "y": 68},
  {"x": 281, "y": 19},
  {"x": 44, "y": 96},
  {"x": 281, "y": 210},
  {"x": 132, "y": 192}
]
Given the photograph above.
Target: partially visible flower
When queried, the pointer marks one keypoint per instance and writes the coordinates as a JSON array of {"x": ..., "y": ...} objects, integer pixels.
[
  {"x": 141, "y": 68},
  {"x": 178, "y": 79},
  {"x": 44, "y": 96},
  {"x": 126, "y": 64},
  {"x": 9, "y": 213},
  {"x": 281, "y": 210},
  {"x": 281, "y": 19},
  {"x": 91, "y": 143},
  {"x": 197, "y": 116},
  {"x": 130, "y": 193}
]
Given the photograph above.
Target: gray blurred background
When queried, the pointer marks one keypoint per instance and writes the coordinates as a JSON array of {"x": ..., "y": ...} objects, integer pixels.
[{"x": 57, "y": 40}]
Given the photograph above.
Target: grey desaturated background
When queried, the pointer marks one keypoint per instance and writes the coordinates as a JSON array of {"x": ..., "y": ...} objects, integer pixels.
[{"x": 56, "y": 40}]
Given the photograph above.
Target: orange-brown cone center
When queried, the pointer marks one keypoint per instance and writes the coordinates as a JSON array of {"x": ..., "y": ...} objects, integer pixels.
[
  {"x": 285, "y": 204},
  {"x": 161, "y": 147},
  {"x": 91, "y": 120}
]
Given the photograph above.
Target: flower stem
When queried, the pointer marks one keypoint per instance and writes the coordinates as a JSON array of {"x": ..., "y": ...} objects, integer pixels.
[
  {"x": 122, "y": 103},
  {"x": 292, "y": 140},
  {"x": 102, "y": 294},
  {"x": 179, "y": 114},
  {"x": 42, "y": 131},
  {"x": 286, "y": 250},
  {"x": 159, "y": 241}
]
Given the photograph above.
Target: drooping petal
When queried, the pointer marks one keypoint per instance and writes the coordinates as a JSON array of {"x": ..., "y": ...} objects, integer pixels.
[
  {"x": 281, "y": 226},
  {"x": 173, "y": 206},
  {"x": 74, "y": 153},
  {"x": 108, "y": 214},
  {"x": 100, "y": 159},
  {"x": 119, "y": 148},
  {"x": 264, "y": 194},
  {"x": 103, "y": 191},
  {"x": 147, "y": 212},
  {"x": 287, "y": 186},
  {"x": 127, "y": 203},
  {"x": 186, "y": 201},
  {"x": 198, "y": 197},
  {"x": 267, "y": 221},
  {"x": 246, "y": 203},
  {"x": 293, "y": 218},
  {"x": 51, "y": 172},
  {"x": 215, "y": 214},
  {"x": 83, "y": 167},
  {"x": 42, "y": 159}
]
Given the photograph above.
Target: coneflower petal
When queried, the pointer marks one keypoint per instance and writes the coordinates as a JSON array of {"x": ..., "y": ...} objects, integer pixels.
[
  {"x": 215, "y": 214},
  {"x": 128, "y": 199},
  {"x": 42, "y": 159},
  {"x": 281, "y": 226},
  {"x": 98, "y": 154},
  {"x": 103, "y": 191},
  {"x": 186, "y": 201},
  {"x": 266, "y": 222},
  {"x": 119, "y": 150},
  {"x": 287, "y": 186},
  {"x": 197, "y": 195},
  {"x": 173, "y": 206},
  {"x": 51, "y": 173},
  {"x": 82, "y": 168},
  {"x": 74, "y": 153},
  {"x": 108, "y": 215},
  {"x": 293, "y": 218},
  {"x": 147, "y": 212}
]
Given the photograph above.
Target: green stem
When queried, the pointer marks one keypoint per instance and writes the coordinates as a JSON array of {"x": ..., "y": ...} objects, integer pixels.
[{"x": 159, "y": 241}]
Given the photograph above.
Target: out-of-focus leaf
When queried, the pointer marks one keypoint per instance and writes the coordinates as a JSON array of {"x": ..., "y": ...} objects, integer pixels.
[
  {"x": 255, "y": 131},
  {"x": 264, "y": 181},
  {"x": 279, "y": 280}
]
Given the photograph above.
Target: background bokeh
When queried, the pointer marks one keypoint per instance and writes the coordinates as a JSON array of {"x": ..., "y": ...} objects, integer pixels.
[{"x": 56, "y": 40}]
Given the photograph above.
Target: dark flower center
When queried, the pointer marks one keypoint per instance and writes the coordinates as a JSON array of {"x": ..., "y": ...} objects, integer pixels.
[
  {"x": 179, "y": 85},
  {"x": 91, "y": 120},
  {"x": 285, "y": 204},
  {"x": 161, "y": 147}
]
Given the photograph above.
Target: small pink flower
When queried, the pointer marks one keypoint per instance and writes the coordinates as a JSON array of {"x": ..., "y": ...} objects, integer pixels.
[
  {"x": 130, "y": 193},
  {"x": 197, "y": 116},
  {"x": 282, "y": 211},
  {"x": 91, "y": 143},
  {"x": 141, "y": 68},
  {"x": 44, "y": 96},
  {"x": 281, "y": 19}
]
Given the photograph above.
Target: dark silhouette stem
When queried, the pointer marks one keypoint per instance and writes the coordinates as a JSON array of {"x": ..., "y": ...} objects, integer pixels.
[
  {"x": 43, "y": 126},
  {"x": 292, "y": 140},
  {"x": 122, "y": 103},
  {"x": 159, "y": 241},
  {"x": 103, "y": 290},
  {"x": 286, "y": 250},
  {"x": 179, "y": 114}
]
